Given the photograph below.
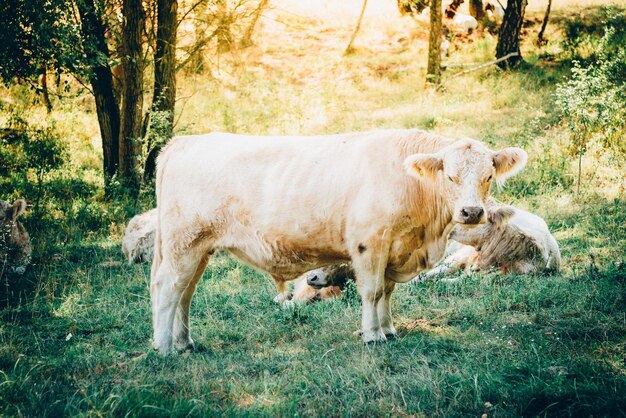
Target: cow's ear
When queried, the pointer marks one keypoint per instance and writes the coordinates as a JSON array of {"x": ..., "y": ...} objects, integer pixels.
[
  {"x": 18, "y": 207},
  {"x": 501, "y": 215},
  {"x": 508, "y": 162},
  {"x": 423, "y": 165}
]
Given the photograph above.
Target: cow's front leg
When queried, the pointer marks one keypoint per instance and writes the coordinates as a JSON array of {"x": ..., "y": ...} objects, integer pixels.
[
  {"x": 384, "y": 311},
  {"x": 371, "y": 290}
]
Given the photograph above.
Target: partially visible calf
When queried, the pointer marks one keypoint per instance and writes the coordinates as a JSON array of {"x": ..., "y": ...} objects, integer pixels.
[
  {"x": 512, "y": 240},
  {"x": 460, "y": 22},
  {"x": 323, "y": 283},
  {"x": 494, "y": 11},
  {"x": 138, "y": 241},
  {"x": 15, "y": 247}
]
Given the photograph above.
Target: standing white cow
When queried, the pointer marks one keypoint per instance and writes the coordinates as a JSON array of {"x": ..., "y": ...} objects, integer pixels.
[{"x": 384, "y": 201}]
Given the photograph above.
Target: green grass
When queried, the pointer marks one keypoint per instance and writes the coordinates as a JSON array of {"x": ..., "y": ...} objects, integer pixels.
[
  {"x": 75, "y": 330},
  {"x": 527, "y": 345}
]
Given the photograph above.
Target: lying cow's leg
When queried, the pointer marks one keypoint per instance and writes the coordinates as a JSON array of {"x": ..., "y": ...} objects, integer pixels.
[
  {"x": 168, "y": 284},
  {"x": 182, "y": 337},
  {"x": 284, "y": 294},
  {"x": 384, "y": 311}
]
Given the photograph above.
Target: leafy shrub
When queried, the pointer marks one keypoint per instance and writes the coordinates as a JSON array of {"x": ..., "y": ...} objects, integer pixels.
[{"x": 593, "y": 102}]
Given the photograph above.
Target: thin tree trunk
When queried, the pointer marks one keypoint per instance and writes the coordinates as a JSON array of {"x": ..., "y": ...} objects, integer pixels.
[
  {"x": 45, "y": 94},
  {"x": 224, "y": 35},
  {"x": 476, "y": 9},
  {"x": 101, "y": 79},
  {"x": 195, "y": 53},
  {"x": 540, "y": 39},
  {"x": 433, "y": 72},
  {"x": 509, "y": 34},
  {"x": 580, "y": 171},
  {"x": 164, "y": 97},
  {"x": 246, "y": 39},
  {"x": 349, "y": 48},
  {"x": 132, "y": 102}
]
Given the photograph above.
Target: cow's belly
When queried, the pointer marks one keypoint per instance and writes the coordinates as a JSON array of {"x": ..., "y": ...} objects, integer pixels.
[{"x": 284, "y": 256}]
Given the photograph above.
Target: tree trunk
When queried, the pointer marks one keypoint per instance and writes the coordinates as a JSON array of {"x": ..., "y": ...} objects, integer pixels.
[
  {"x": 101, "y": 79},
  {"x": 196, "y": 51},
  {"x": 164, "y": 97},
  {"x": 476, "y": 9},
  {"x": 349, "y": 48},
  {"x": 224, "y": 35},
  {"x": 433, "y": 73},
  {"x": 509, "y": 34},
  {"x": 43, "y": 85},
  {"x": 540, "y": 39},
  {"x": 246, "y": 39},
  {"x": 132, "y": 101}
]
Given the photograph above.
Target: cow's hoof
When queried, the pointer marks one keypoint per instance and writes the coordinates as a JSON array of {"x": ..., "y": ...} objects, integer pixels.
[
  {"x": 163, "y": 350},
  {"x": 372, "y": 337},
  {"x": 186, "y": 346},
  {"x": 288, "y": 304},
  {"x": 281, "y": 298},
  {"x": 391, "y": 337}
]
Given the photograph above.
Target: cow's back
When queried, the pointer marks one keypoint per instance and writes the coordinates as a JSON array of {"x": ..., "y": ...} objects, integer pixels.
[{"x": 537, "y": 228}]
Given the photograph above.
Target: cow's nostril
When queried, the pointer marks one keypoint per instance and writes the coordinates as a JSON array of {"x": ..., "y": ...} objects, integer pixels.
[
  {"x": 313, "y": 279},
  {"x": 472, "y": 214}
]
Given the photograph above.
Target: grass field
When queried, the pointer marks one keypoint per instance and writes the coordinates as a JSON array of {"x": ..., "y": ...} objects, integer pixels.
[{"x": 75, "y": 331}]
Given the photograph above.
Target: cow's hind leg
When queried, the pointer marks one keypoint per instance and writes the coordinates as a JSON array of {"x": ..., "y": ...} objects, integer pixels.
[
  {"x": 169, "y": 282},
  {"x": 182, "y": 335}
]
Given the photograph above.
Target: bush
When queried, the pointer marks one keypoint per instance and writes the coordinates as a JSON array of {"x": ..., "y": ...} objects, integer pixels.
[{"x": 593, "y": 102}]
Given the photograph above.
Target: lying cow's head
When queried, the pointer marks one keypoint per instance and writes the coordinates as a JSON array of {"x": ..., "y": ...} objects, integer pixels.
[
  {"x": 10, "y": 212},
  {"x": 479, "y": 235},
  {"x": 335, "y": 275},
  {"x": 464, "y": 171}
]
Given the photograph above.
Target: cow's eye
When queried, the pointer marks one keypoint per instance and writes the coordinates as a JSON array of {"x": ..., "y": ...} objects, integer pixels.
[
  {"x": 451, "y": 179},
  {"x": 489, "y": 178}
]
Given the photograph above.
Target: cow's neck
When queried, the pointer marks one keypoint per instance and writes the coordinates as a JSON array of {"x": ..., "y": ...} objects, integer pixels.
[{"x": 416, "y": 141}]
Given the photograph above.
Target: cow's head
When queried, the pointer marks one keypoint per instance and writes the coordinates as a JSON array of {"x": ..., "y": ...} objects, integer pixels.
[
  {"x": 335, "y": 275},
  {"x": 10, "y": 212},
  {"x": 476, "y": 237},
  {"x": 464, "y": 171}
]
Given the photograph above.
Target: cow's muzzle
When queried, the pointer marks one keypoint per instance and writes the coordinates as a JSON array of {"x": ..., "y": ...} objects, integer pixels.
[
  {"x": 472, "y": 215},
  {"x": 316, "y": 281}
]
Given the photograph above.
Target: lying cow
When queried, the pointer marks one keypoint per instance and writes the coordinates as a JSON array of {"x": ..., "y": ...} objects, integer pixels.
[
  {"x": 138, "y": 241},
  {"x": 512, "y": 240},
  {"x": 15, "y": 247},
  {"x": 384, "y": 201}
]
